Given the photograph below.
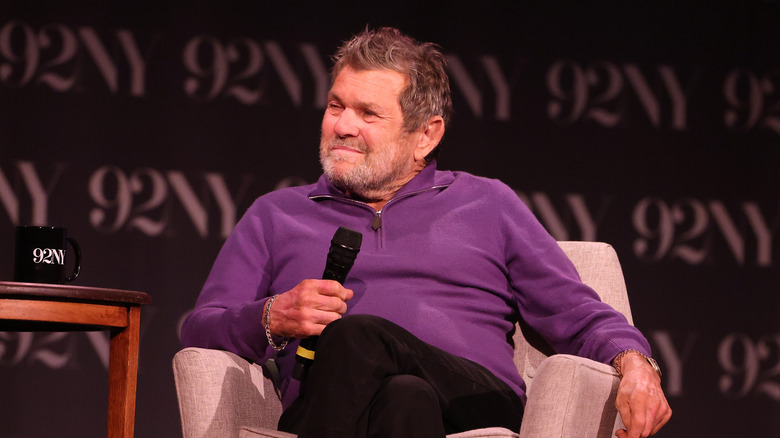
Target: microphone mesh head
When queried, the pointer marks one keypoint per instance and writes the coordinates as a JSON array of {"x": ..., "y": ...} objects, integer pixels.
[{"x": 348, "y": 238}]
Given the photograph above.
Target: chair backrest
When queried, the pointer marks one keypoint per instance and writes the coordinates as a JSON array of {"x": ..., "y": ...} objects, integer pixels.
[{"x": 599, "y": 268}]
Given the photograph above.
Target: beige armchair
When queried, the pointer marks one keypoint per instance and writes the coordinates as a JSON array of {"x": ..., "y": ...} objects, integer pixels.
[{"x": 222, "y": 395}]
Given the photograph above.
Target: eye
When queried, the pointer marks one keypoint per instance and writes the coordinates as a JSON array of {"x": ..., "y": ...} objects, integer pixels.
[
  {"x": 370, "y": 114},
  {"x": 334, "y": 107}
]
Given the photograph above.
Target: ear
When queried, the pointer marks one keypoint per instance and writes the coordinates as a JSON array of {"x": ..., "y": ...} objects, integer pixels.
[{"x": 430, "y": 136}]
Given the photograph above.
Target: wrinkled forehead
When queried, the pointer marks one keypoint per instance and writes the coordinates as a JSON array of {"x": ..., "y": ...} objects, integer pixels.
[{"x": 368, "y": 83}]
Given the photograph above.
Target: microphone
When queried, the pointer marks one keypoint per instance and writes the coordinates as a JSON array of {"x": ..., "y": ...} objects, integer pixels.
[{"x": 344, "y": 248}]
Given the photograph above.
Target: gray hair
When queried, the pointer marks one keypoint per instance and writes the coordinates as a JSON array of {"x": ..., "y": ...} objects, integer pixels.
[{"x": 428, "y": 92}]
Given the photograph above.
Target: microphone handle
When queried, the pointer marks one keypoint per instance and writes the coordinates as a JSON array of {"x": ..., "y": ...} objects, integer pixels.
[{"x": 339, "y": 263}]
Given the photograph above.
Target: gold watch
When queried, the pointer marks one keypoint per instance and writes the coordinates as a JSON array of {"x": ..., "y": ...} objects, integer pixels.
[{"x": 617, "y": 362}]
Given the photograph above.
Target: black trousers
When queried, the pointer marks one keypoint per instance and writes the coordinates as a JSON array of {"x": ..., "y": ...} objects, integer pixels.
[{"x": 372, "y": 378}]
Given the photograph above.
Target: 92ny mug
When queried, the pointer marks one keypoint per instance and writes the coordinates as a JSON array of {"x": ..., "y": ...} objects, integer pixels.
[{"x": 40, "y": 255}]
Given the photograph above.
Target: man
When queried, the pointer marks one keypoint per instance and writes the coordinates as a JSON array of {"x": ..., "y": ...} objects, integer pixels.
[{"x": 449, "y": 262}]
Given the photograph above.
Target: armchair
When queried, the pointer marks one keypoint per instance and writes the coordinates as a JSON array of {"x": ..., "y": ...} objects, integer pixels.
[{"x": 223, "y": 395}]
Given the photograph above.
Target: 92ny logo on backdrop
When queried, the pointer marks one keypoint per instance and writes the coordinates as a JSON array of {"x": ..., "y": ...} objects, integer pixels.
[{"x": 67, "y": 59}]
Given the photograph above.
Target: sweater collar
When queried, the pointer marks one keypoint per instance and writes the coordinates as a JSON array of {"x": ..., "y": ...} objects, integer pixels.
[{"x": 428, "y": 178}]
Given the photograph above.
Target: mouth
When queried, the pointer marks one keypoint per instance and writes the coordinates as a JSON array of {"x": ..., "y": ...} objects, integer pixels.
[{"x": 344, "y": 149}]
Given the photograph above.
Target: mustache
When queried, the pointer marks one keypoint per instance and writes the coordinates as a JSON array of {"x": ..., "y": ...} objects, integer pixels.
[{"x": 349, "y": 142}]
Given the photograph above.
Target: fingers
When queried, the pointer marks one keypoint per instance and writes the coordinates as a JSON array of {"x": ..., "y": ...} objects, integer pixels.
[
  {"x": 663, "y": 418},
  {"x": 327, "y": 296},
  {"x": 656, "y": 412},
  {"x": 331, "y": 288},
  {"x": 642, "y": 405},
  {"x": 642, "y": 428},
  {"x": 626, "y": 414},
  {"x": 306, "y": 309}
]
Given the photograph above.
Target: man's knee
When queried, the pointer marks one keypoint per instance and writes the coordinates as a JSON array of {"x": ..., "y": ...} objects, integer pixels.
[
  {"x": 409, "y": 390},
  {"x": 368, "y": 340},
  {"x": 353, "y": 324},
  {"x": 406, "y": 406},
  {"x": 353, "y": 330}
]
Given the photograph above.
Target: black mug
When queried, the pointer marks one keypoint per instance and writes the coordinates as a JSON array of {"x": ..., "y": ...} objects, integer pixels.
[{"x": 40, "y": 255}]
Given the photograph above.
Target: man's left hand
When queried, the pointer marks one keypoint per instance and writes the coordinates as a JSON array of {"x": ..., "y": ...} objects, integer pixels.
[{"x": 640, "y": 399}]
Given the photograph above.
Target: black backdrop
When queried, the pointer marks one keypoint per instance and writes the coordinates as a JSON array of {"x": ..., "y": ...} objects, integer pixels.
[{"x": 147, "y": 128}]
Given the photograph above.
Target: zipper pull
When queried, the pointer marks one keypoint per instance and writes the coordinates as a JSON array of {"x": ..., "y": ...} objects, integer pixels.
[{"x": 377, "y": 222}]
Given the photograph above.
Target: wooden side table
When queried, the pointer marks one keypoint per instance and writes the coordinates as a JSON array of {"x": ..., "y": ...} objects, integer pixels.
[{"x": 49, "y": 307}]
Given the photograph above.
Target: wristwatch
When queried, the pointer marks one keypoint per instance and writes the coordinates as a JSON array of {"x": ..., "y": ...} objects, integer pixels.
[{"x": 617, "y": 362}]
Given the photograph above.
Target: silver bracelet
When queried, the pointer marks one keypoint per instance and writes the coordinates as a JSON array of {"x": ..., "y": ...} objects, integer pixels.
[{"x": 267, "y": 315}]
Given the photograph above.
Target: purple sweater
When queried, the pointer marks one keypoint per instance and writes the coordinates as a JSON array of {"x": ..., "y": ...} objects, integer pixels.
[{"x": 455, "y": 259}]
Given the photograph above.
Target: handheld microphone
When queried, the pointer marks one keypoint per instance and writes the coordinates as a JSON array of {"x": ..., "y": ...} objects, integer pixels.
[{"x": 344, "y": 248}]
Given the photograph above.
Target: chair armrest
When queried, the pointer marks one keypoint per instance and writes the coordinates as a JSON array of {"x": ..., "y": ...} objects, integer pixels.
[
  {"x": 219, "y": 392},
  {"x": 571, "y": 396}
]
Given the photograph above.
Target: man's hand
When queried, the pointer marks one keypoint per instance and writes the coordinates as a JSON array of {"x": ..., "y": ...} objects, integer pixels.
[
  {"x": 307, "y": 308},
  {"x": 640, "y": 399}
]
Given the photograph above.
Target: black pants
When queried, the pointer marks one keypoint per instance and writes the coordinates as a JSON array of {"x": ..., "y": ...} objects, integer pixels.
[{"x": 372, "y": 378}]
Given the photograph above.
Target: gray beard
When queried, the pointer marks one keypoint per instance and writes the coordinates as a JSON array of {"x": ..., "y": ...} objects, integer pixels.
[{"x": 363, "y": 180}]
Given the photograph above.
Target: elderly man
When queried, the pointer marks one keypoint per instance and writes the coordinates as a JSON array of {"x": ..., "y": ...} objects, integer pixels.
[{"x": 417, "y": 340}]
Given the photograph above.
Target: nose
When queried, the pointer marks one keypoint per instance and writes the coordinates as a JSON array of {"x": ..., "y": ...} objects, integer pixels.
[{"x": 347, "y": 124}]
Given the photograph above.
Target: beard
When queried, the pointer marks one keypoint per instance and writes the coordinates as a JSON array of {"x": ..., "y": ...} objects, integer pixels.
[{"x": 370, "y": 175}]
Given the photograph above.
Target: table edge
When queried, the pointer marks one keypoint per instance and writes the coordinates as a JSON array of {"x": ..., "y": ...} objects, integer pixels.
[{"x": 66, "y": 291}]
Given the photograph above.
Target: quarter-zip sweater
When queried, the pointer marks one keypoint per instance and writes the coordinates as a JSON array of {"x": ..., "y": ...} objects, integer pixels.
[{"x": 454, "y": 258}]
